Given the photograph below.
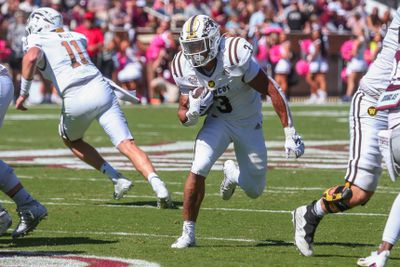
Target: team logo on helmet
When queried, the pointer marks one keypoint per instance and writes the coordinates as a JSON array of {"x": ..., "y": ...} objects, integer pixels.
[{"x": 200, "y": 38}]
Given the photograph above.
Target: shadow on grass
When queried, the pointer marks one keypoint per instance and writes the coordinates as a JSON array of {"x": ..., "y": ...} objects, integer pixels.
[
  {"x": 143, "y": 203},
  {"x": 53, "y": 241},
  {"x": 344, "y": 244}
]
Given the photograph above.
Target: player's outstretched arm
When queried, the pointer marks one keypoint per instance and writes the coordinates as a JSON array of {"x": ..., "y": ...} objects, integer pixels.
[
  {"x": 293, "y": 141},
  {"x": 28, "y": 69}
]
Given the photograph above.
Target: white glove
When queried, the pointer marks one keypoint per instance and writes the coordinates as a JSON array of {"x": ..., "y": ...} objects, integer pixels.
[
  {"x": 293, "y": 142},
  {"x": 193, "y": 113},
  {"x": 207, "y": 99}
]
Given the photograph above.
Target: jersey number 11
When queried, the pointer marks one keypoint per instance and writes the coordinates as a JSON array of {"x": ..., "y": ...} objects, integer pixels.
[{"x": 71, "y": 54}]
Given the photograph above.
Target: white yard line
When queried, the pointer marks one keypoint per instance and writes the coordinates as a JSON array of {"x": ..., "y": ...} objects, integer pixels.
[
  {"x": 204, "y": 208},
  {"x": 156, "y": 235}
]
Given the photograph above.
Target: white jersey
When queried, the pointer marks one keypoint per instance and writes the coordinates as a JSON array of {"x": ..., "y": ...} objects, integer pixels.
[
  {"x": 65, "y": 61},
  {"x": 234, "y": 99},
  {"x": 377, "y": 79}
]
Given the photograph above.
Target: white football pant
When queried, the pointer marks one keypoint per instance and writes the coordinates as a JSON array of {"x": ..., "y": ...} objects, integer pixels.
[
  {"x": 94, "y": 100},
  {"x": 6, "y": 95},
  {"x": 249, "y": 144},
  {"x": 364, "y": 165}
]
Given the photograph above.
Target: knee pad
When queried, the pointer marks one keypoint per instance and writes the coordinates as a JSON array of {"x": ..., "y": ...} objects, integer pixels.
[{"x": 336, "y": 198}]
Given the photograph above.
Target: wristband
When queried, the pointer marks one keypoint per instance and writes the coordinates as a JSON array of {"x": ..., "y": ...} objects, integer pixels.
[{"x": 25, "y": 86}]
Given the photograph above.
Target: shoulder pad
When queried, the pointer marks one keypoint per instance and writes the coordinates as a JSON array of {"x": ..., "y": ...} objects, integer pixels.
[
  {"x": 178, "y": 64},
  {"x": 237, "y": 55},
  {"x": 32, "y": 40},
  {"x": 183, "y": 73},
  {"x": 237, "y": 51}
]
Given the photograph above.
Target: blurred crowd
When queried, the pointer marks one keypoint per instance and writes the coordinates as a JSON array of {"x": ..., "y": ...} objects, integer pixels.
[{"x": 133, "y": 41}]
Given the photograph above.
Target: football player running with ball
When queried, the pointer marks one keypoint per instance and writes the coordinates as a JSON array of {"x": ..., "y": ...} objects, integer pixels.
[
  {"x": 364, "y": 165},
  {"x": 62, "y": 58},
  {"x": 218, "y": 76}
]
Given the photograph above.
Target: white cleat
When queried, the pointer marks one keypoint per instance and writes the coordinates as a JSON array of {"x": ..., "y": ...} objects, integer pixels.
[
  {"x": 5, "y": 221},
  {"x": 30, "y": 215},
  {"x": 228, "y": 185},
  {"x": 121, "y": 187},
  {"x": 305, "y": 223},
  {"x": 164, "y": 200},
  {"x": 185, "y": 241},
  {"x": 375, "y": 260}
]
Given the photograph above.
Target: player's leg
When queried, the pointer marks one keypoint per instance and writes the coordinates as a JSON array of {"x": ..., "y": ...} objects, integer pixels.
[
  {"x": 251, "y": 155},
  {"x": 114, "y": 124},
  {"x": 30, "y": 211},
  {"x": 80, "y": 108},
  {"x": 391, "y": 235},
  {"x": 364, "y": 169},
  {"x": 211, "y": 142}
]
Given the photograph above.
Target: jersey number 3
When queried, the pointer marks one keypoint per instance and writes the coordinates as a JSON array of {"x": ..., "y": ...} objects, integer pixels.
[{"x": 71, "y": 54}]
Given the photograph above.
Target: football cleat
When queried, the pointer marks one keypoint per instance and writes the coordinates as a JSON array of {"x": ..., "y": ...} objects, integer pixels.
[
  {"x": 305, "y": 223},
  {"x": 5, "y": 221},
  {"x": 375, "y": 260},
  {"x": 165, "y": 203},
  {"x": 185, "y": 241},
  {"x": 121, "y": 187},
  {"x": 30, "y": 215},
  {"x": 228, "y": 186}
]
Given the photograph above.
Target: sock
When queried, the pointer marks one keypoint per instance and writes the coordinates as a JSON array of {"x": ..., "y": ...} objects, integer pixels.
[
  {"x": 392, "y": 228},
  {"x": 158, "y": 185},
  {"x": 189, "y": 228},
  {"x": 318, "y": 209},
  {"x": 108, "y": 170},
  {"x": 22, "y": 197}
]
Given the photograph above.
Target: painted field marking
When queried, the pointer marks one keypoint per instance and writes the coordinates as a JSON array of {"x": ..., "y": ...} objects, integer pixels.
[{"x": 177, "y": 156}]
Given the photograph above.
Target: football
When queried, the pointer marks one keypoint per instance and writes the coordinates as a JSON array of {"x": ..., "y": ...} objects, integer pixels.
[{"x": 199, "y": 92}]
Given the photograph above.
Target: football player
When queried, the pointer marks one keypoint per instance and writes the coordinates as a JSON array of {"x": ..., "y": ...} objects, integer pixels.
[
  {"x": 389, "y": 145},
  {"x": 30, "y": 211},
  {"x": 218, "y": 76},
  {"x": 62, "y": 58},
  {"x": 364, "y": 165}
]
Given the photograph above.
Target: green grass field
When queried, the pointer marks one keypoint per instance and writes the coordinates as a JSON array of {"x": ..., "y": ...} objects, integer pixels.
[{"x": 85, "y": 220}]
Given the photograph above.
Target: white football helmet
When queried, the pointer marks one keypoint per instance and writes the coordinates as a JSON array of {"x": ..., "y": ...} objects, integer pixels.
[
  {"x": 200, "y": 38},
  {"x": 44, "y": 19}
]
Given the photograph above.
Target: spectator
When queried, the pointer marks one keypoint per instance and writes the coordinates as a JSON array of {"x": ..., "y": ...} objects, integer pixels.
[
  {"x": 257, "y": 18},
  {"x": 130, "y": 68},
  {"x": 163, "y": 84},
  {"x": 15, "y": 32},
  {"x": 197, "y": 8},
  {"x": 295, "y": 18},
  {"x": 283, "y": 66},
  {"x": 135, "y": 11},
  {"x": 316, "y": 77},
  {"x": 357, "y": 65},
  {"x": 162, "y": 39},
  {"x": 94, "y": 35}
]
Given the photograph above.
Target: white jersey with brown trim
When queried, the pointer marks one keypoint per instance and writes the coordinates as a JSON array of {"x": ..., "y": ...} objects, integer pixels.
[
  {"x": 65, "y": 60},
  {"x": 234, "y": 99},
  {"x": 378, "y": 77}
]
